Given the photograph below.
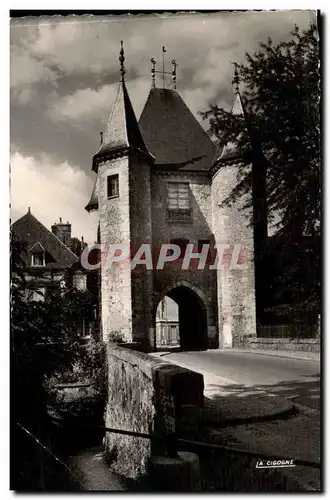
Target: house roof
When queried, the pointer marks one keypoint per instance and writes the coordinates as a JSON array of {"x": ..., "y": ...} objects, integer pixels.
[
  {"x": 172, "y": 134},
  {"x": 122, "y": 131},
  {"x": 35, "y": 234},
  {"x": 37, "y": 247}
]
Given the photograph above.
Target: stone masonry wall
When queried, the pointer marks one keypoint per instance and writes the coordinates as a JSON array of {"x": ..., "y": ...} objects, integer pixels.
[
  {"x": 236, "y": 287},
  {"x": 115, "y": 228},
  {"x": 303, "y": 345},
  {"x": 141, "y": 277},
  {"x": 199, "y": 228},
  {"x": 146, "y": 395}
]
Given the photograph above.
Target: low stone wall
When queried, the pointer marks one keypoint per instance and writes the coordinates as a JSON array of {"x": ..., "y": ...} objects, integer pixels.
[
  {"x": 146, "y": 395},
  {"x": 306, "y": 345}
]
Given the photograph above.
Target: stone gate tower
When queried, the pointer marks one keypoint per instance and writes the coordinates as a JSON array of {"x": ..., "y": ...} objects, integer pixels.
[{"x": 162, "y": 181}]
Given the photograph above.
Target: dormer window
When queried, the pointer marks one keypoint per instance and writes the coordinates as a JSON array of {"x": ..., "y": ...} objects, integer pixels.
[
  {"x": 38, "y": 255},
  {"x": 38, "y": 259}
]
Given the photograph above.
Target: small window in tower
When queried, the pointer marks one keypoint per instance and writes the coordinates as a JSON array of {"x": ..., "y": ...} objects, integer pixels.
[{"x": 113, "y": 186}]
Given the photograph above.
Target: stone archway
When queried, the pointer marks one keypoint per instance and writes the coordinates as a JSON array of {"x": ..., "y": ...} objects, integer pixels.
[{"x": 192, "y": 316}]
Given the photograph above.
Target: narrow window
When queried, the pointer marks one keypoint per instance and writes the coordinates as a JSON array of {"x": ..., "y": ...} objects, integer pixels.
[
  {"x": 113, "y": 186},
  {"x": 173, "y": 334}
]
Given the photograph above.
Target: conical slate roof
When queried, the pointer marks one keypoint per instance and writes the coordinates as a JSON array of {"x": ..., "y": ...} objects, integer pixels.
[
  {"x": 122, "y": 132},
  {"x": 34, "y": 233},
  {"x": 172, "y": 134},
  {"x": 229, "y": 151}
]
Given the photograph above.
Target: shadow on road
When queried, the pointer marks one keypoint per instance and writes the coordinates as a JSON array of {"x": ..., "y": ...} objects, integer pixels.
[
  {"x": 304, "y": 392},
  {"x": 288, "y": 434}
]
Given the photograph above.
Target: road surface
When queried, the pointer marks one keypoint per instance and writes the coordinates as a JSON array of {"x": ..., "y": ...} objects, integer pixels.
[{"x": 297, "y": 379}]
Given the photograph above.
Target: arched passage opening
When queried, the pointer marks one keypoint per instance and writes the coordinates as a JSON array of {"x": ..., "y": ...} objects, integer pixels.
[{"x": 181, "y": 320}]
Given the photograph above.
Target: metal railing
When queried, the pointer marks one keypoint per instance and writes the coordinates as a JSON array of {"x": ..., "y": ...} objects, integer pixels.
[
  {"x": 53, "y": 456},
  {"x": 170, "y": 444},
  {"x": 171, "y": 440},
  {"x": 297, "y": 331}
]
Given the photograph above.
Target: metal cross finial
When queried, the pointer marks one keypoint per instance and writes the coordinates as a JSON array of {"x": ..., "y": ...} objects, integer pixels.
[
  {"x": 153, "y": 71},
  {"x": 122, "y": 60},
  {"x": 174, "y": 73},
  {"x": 236, "y": 79}
]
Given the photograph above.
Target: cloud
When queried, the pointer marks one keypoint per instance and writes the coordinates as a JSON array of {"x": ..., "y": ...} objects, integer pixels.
[
  {"x": 52, "y": 191},
  {"x": 203, "y": 45},
  {"x": 65, "y": 72},
  {"x": 25, "y": 71},
  {"x": 86, "y": 105},
  {"x": 75, "y": 45}
]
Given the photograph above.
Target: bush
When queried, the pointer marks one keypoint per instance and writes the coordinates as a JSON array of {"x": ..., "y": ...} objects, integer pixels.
[{"x": 116, "y": 336}]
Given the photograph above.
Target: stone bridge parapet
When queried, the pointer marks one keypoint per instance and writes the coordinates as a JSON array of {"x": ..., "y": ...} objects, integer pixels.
[{"x": 145, "y": 395}]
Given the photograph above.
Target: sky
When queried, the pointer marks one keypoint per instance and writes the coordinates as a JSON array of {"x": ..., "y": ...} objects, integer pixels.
[{"x": 64, "y": 74}]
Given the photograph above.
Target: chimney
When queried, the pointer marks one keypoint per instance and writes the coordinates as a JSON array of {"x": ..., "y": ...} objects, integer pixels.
[{"x": 62, "y": 231}]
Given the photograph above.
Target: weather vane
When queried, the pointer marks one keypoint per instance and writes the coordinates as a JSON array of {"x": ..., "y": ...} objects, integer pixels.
[
  {"x": 163, "y": 52},
  {"x": 163, "y": 72},
  {"x": 153, "y": 71},
  {"x": 174, "y": 73}
]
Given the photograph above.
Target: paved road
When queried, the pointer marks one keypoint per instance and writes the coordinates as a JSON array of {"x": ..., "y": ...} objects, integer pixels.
[{"x": 297, "y": 379}]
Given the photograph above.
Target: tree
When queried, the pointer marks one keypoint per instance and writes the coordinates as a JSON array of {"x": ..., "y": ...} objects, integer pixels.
[
  {"x": 280, "y": 91},
  {"x": 42, "y": 341},
  {"x": 77, "y": 246}
]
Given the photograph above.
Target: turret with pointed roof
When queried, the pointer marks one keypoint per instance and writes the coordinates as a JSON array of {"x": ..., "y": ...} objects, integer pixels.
[
  {"x": 122, "y": 195},
  {"x": 232, "y": 156},
  {"x": 122, "y": 132},
  {"x": 230, "y": 152},
  {"x": 158, "y": 181}
]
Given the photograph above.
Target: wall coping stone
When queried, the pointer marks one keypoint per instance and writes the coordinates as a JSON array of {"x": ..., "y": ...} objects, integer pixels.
[
  {"x": 146, "y": 363},
  {"x": 283, "y": 341}
]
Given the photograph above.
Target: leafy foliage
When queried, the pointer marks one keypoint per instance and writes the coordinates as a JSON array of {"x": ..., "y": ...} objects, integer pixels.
[
  {"x": 77, "y": 246},
  {"x": 43, "y": 341},
  {"x": 43, "y": 333},
  {"x": 280, "y": 91}
]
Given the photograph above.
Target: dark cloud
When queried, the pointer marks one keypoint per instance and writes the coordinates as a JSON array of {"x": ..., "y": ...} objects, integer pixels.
[{"x": 63, "y": 71}]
